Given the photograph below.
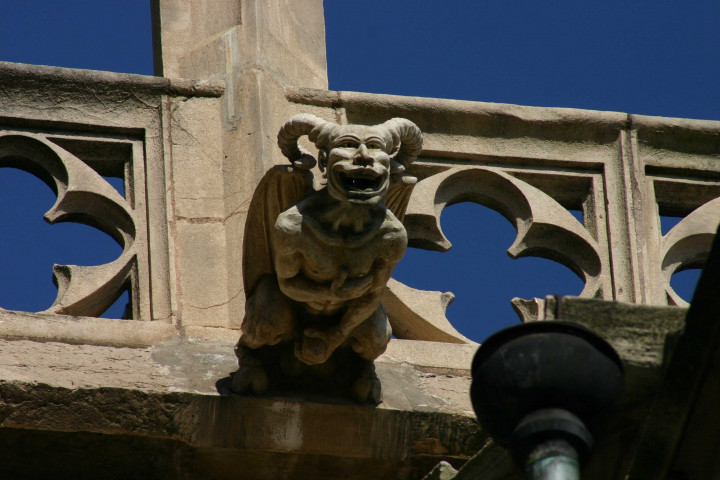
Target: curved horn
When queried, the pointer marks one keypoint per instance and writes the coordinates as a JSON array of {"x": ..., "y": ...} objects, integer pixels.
[
  {"x": 410, "y": 138},
  {"x": 293, "y": 129}
]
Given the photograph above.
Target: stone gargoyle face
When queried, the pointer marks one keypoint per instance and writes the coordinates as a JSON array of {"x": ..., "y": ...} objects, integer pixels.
[
  {"x": 358, "y": 164},
  {"x": 355, "y": 159}
]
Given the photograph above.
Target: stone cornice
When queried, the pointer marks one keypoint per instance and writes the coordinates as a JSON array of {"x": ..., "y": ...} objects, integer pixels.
[{"x": 20, "y": 73}]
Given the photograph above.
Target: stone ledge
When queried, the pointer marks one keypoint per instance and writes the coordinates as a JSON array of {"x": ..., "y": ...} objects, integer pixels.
[
  {"x": 439, "y": 357},
  {"x": 334, "y": 98},
  {"x": 433, "y": 357},
  {"x": 18, "y": 73},
  {"x": 338, "y": 98},
  {"x": 204, "y": 366},
  {"x": 250, "y": 428},
  {"x": 471, "y": 118},
  {"x": 171, "y": 400},
  {"x": 15, "y": 325}
]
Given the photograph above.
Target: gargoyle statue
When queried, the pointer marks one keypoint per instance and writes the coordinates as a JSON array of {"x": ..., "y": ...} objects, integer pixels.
[{"x": 316, "y": 259}]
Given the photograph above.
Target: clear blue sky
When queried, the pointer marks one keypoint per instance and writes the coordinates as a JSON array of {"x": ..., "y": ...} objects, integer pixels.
[{"x": 646, "y": 57}]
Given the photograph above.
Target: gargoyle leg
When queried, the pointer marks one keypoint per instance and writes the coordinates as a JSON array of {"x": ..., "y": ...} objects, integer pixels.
[
  {"x": 370, "y": 338},
  {"x": 269, "y": 315},
  {"x": 367, "y": 388},
  {"x": 269, "y": 319}
]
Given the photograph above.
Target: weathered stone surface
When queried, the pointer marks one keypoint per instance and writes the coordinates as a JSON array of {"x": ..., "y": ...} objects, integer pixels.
[
  {"x": 197, "y": 156},
  {"x": 432, "y": 356},
  {"x": 81, "y": 366},
  {"x": 256, "y": 48},
  {"x": 177, "y": 393},
  {"x": 643, "y": 335},
  {"x": 82, "y": 330},
  {"x": 197, "y": 365},
  {"x": 579, "y": 159},
  {"x": 284, "y": 39},
  {"x": 17, "y": 75},
  {"x": 201, "y": 248}
]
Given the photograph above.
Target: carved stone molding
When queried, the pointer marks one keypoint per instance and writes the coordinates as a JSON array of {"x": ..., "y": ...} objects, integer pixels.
[{"x": 544, "y": 227}]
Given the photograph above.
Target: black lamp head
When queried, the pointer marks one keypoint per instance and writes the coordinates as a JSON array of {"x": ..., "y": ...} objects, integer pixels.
[{"x": 545, "y": 366}]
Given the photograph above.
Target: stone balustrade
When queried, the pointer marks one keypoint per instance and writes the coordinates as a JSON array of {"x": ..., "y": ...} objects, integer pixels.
[{"x": 179, "y": 219}]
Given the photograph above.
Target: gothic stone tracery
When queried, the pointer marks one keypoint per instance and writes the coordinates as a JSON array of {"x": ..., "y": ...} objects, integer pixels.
[{"x": 82, "y": 196}]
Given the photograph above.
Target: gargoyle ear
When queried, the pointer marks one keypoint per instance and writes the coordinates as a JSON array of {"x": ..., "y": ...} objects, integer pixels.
[
  {"x": 292, "y": 130},
  {"x": 322, "y": 159}
]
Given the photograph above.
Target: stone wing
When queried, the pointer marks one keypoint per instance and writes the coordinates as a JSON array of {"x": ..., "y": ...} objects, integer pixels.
[
  {"x": 281, "y": 187},
  {"x": 398, "y": 194}
]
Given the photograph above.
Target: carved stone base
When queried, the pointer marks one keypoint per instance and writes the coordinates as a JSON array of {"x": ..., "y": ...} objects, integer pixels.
[{"x": 275, "y": 369}]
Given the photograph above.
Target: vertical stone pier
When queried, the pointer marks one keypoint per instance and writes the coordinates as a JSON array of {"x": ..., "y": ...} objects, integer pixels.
[{"x": 258, "y": 48}]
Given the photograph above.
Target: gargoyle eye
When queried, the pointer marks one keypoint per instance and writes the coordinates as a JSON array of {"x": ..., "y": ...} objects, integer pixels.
[
  {"x": 348, "y": 145},
  {"x": 374, "y": 146}
]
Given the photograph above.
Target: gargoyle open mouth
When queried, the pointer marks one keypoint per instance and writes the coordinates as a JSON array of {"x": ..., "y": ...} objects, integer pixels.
[{"x": 367, "y": 181}]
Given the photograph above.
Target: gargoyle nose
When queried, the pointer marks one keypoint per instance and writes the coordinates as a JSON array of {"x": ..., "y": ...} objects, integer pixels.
[{"x": 362, "y": 155}]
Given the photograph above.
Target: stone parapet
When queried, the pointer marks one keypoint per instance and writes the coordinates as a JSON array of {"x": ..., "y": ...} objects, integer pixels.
[
  {"x": 182, "y": 216},
  {"x": 72, "y": 127}
]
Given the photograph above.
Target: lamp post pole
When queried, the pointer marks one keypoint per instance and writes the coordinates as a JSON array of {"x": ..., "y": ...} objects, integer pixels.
[{"x": 553, "y": 460}]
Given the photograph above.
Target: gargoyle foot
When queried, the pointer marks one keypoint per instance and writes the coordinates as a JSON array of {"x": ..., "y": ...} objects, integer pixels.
[
  {"x": 367, "y": 388},
  {"x": 250, "y": 378},
  {"x": 251, "y": 375}
]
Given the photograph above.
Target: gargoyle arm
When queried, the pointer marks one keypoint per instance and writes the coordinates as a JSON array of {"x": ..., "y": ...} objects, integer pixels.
[
  {"x": 303, "y": 289},
  {"x": 357, "y": 312}
]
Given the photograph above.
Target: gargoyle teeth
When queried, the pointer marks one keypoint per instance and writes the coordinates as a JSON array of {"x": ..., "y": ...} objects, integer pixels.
[{"x": 361, "y": 181}]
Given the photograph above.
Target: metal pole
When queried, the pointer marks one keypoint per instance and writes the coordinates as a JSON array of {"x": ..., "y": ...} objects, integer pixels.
[{"x": 553, "y": 460}]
